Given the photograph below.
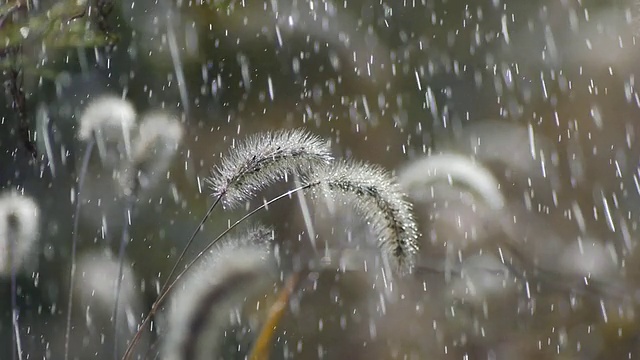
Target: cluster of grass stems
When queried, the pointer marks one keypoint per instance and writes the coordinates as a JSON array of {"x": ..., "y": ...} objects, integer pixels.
[{"x": 139, "y": 153}]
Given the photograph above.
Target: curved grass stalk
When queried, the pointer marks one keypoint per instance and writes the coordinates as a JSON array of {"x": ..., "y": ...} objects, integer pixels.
[
  {"x": 163, "y": 294},
  {"x": 370, "y": 190},
  {"x": 261, "y": 160},
  {"x": 368, "y": 187},
  {"x": 190, "y": 241}
]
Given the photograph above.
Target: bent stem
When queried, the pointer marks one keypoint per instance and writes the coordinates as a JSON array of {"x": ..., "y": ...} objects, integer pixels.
[
  {"x": 74, "y": 242},
  {"x": 173, "y": 269},
  {"x": 193, "y": 236},
  {"x": 163, "y": 294},
  {"x": 260, "y": 350}
]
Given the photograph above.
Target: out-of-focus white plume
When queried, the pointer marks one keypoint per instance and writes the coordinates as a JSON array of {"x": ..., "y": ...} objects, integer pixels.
[{"x": 19, "y": 231}]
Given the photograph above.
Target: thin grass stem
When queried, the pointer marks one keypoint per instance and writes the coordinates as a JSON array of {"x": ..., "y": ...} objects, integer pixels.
[
  {"x": 191, "y": 239},
  {"x": 16, "y": 348},
  {"x": 74, "y": 242},
  {"x": 124, "y": 240}
]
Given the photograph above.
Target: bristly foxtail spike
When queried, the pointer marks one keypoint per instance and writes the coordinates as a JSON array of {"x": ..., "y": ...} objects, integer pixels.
[
  {"x": 198, "y": 311},
  {"x": 378, "y": 199},
  {"x": 265, "y": 158},
  {"x": 257, "y": 162}
]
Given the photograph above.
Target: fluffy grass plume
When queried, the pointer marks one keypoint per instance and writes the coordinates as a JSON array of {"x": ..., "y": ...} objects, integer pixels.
[
  {"x": 201, "y": 309},
  {"x": 418, "y": 177},
  {"x": 19, "y": 230},
  {"x": 263, "y": 159},
  {"x": 375, "y": 196},
  {"x": 154, "y": 148},
  {"x": 108, "y": 119},
  {"x": 98, "y": 275}
]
